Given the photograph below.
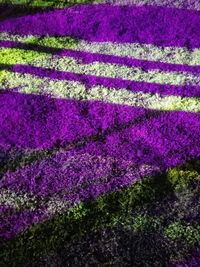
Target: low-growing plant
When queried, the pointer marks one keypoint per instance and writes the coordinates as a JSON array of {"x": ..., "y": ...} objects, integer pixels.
[{"x": 186, "y": 233}]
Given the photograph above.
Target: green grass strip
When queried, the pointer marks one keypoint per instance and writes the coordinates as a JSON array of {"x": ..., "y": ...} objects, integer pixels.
[
  {"x": 19, "y": 56},
  {"x": 183, "y": 233},
  {"x": 172, "y": 55},
  {"x": 47, "y": 3}
]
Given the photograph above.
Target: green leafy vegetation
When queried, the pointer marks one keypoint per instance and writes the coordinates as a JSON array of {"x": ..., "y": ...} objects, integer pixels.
[
  {"x": 145, "y": 223},
  {"x": 180, "y": 179},
  {"x": 46, "y": 3},
  {"x": 126, "y": 207},
  {"x": 184, "y": 233}
]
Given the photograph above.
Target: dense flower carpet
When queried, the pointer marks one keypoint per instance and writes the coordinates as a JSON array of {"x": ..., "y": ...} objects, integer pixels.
[{"x": 100, "y": 133}]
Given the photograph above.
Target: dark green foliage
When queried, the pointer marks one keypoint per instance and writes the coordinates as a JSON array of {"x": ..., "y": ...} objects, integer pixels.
[{"x": 149, "y": 206}]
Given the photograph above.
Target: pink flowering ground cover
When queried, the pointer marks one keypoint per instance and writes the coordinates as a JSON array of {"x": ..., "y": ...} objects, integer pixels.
[{"x": 106, "y": 177}]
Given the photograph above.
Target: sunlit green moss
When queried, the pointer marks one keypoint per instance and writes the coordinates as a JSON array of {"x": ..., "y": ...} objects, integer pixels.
[
  {"x": 77, "y": 212},
  {"x": 13, "y": 56},
  {"x": 45, "y": 3},
  {"x": 185, "y": 233},
  {"x": 18, "y": 56},
  {"x": 21, "y": 56},
  {"x": 180, "y": 179},
  {"x": 58, "y": 42},
  {"x": 145, "y": 223},
  {"x": 3, "y": 75}
]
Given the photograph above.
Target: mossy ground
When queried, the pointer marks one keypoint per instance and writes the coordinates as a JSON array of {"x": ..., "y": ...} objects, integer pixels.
[
  {"x": 46, "y": 3},
  {"x": 153, "y": 205}
]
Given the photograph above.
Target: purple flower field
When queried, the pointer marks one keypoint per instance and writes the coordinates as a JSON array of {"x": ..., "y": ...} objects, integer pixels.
[{"x": 99, "y": 133}]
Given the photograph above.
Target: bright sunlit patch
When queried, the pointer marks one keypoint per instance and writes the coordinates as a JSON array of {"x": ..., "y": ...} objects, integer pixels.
[{"x": 27, "y": 83}]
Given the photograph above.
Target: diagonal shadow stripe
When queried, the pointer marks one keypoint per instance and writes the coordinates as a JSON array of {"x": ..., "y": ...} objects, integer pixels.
[
  {"x": 30, "y": 46},
  {"x": 99, "y": 136},
  {"x": 88, "y": 57},
  {"x": 90, "y": 80},
  {"x": 33, "y": 47}
]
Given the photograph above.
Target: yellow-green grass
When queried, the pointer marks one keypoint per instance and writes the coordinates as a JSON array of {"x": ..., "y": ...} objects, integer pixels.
[
  {"x": 45, "y": 3},
  {"x": 13, "y": 56},
  {"x": 173, "y": 55}
]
